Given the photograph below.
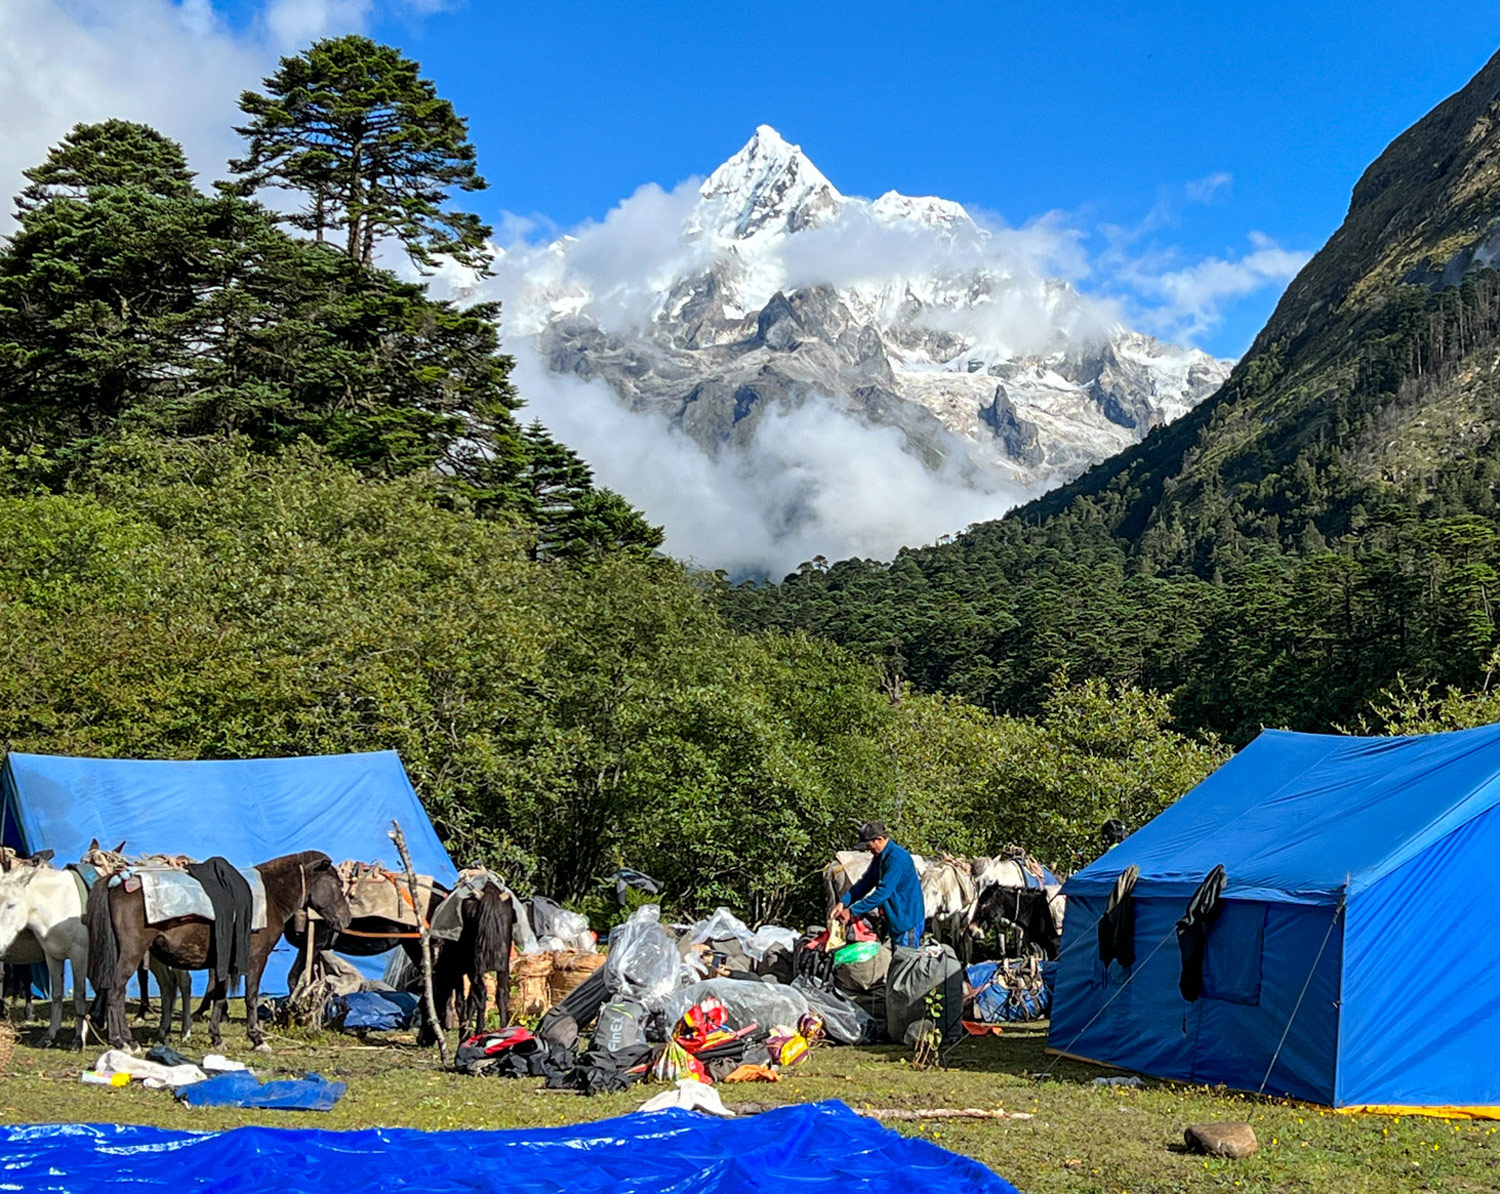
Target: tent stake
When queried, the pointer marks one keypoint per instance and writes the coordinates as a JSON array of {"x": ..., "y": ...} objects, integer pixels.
[{"x": 411, "y": 879}]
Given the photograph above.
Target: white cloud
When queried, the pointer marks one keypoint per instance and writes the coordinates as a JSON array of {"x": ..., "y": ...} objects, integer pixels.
[
  {"x": 814, "y": 481},
  {"x": 176, "y": 66},
  {"x": 1188, "y": 301},
  {"x": 1209, "y": 188}
]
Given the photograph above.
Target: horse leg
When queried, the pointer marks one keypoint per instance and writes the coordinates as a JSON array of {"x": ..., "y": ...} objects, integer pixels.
[
  {"x": 55, "y": 973},
  {"x": 218, "y": 998},
  {"x": 117, "y": 1020},
  {"x": 79, "y": 961},
  {"x": 183, "y": 979},
  {"x": 143, "y": 975},
  {"x": 252, "y": 1011},
  {"x": 166, "y": 979}
]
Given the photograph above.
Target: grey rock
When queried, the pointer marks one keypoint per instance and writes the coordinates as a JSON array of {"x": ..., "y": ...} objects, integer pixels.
[{"x": 1229, "y": 1139}]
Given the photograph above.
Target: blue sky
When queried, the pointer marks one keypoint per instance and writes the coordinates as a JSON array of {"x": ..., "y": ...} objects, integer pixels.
[
  {"x": 1196, "y": 153},
  {"x": 1106, "y": 112}
]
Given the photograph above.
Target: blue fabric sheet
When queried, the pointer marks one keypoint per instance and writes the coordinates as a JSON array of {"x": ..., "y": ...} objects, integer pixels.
[
  {"x": 240, "y": 1088},
  {"x": 810, "y": 1148},
  {"x": 248, "y": 810},
  {"x": 383, "y": 1011},
  {"x": 994, "y": 1004}
]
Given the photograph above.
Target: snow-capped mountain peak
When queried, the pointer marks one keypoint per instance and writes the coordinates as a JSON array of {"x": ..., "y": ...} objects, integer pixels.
[
  {"x": 941, "y": 215},
  {"x": 769, "y": 187},
  {"x": 769, "y": 290}
]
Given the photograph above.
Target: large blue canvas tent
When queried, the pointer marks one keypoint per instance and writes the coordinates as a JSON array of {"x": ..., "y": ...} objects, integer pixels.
[
  {"x": 1354, "y": 961},
  {"x": 248, "y": 810}
]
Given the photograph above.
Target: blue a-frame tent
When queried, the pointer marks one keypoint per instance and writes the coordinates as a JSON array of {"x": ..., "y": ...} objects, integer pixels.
[
  {"x": 1356, "y": 959},
  {"x": 248, "y": 810}
]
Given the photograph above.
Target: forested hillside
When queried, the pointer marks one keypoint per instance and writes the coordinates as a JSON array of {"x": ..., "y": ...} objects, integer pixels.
[
  {"x": 260, "y": 496},
  {"x": 1322, "y": 528}
]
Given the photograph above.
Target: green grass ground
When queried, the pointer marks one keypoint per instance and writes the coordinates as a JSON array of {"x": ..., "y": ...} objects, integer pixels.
[{"x": 1082, "y": 1137}]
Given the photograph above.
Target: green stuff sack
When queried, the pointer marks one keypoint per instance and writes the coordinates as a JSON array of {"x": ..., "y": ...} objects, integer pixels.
[{"x": 856, "y": 951}]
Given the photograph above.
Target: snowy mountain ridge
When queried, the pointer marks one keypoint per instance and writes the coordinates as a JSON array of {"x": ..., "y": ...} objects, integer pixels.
[{"x": 767, "y": 288}]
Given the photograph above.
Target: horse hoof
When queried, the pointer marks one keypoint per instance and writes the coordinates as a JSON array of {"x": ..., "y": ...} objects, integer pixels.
[
  {"x": 46, "y": 1042},
  {"x": 263, "y": 1047}
]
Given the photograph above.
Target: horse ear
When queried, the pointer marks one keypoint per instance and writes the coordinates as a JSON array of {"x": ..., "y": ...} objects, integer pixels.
[
  {"x": 6, "y": 861},
  {"x": 93, "y": 845},
  {"x": 42, "y": 856},
  {"x": 120, "y": 849}
]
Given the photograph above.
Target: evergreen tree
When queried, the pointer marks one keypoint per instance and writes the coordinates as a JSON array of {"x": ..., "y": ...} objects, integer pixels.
[
  {"x": 352, "y": 125},
  {"x": 113, "y": 153}
]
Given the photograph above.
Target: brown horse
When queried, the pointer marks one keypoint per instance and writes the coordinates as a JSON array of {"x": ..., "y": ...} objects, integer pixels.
[
  {"x": 362, "y": 936},
  {"x": 120, "y": 938}
]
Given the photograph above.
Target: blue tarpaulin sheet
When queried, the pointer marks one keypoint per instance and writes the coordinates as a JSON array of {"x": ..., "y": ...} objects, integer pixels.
[
  {"x": 248, "y": 810},
  {"x": 243, "y": 1089},
  {"x": 808, "y": 1148},
  {"x": 382, "y": 1011}
]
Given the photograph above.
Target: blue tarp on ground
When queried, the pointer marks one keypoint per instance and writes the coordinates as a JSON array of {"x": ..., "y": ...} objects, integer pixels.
[
  {"x": 810, "y": 1148},
  {"x": 1345, "y": 857},
  {"x": 241, "y": 1088},
  {"x": 248, "y": 810}
]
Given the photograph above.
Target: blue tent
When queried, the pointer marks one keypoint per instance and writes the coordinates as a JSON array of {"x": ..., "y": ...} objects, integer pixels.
[
  {"x": 248, "y": 810},
  {"x": 1354, "y": 962}
]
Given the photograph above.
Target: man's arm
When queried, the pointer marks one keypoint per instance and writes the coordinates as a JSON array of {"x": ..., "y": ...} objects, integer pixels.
[
  {"x": 882, "y": 891},
  {"x": 863, "y": 884}
]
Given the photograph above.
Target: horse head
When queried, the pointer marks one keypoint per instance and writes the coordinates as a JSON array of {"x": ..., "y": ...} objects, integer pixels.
[
  {"x": 15, "y": 898},
  {"x": 325, "y": 891}
]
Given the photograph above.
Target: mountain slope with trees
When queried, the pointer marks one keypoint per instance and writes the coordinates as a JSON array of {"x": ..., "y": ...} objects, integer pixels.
[{"x": 1321, "y": 528}]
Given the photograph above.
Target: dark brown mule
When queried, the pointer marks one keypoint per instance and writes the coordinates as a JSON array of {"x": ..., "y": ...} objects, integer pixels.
[
  {"x": 362, "y": 937},
  {"x": 292, "y": 883},
  {"x": 482, "y": 947}
]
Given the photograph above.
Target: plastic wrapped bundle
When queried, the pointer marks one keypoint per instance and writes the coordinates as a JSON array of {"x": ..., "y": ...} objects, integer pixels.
[
  {"x": 643, "y": 962},
  {"x": 762, "y": 1004}
]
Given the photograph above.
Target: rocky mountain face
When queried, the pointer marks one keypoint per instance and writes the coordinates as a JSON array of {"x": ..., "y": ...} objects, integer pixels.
[
  {"x": 901, "y": 311},
  {"x": 1371, "y": 395}
]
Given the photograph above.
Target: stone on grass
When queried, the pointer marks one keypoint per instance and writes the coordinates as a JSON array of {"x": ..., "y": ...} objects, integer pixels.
[{"x": 1232, "y": 1140}]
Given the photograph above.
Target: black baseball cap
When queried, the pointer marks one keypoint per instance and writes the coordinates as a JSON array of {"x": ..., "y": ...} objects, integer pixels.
[{"x": 871, "y": 830}]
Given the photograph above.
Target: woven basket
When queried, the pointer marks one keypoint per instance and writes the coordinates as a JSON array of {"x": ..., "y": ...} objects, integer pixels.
[
  {"x": 569, "y": 972},
  {"x": 530, "y": 974},
  {"x": 7, "y": 1044}
]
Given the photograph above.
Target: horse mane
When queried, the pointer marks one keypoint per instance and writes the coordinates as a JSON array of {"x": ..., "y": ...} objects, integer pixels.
[
  {"x": 494, "y": 922},
  {"x": 287, "y": 862}
]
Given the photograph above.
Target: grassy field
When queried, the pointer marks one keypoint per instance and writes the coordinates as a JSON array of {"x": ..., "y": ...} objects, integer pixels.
[{"x": 1082, "y": 1137}]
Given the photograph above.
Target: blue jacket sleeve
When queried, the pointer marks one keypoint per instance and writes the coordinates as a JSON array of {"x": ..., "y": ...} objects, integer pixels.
[
  {"x": 862, "y": 884},
  {"x": 883, "y": 890}
]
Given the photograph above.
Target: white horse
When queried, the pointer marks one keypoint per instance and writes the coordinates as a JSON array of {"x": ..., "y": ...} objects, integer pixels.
[
  {"x": 949, "y": 896},
  {"x": 42, "y": 918}
]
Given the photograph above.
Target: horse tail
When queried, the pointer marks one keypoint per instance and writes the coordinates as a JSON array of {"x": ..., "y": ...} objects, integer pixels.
[
  {"x": 104, "y": 946},
  {"x": 494, "y": 920}
]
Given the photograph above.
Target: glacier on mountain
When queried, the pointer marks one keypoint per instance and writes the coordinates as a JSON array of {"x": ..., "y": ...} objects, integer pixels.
[{"x": 765, "y": 289}]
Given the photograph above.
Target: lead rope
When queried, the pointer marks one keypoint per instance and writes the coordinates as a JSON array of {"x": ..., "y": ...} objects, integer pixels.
[{"x": 1337, "y": 912}]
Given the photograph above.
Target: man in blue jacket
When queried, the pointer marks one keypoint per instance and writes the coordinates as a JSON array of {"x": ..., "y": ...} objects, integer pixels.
[{"x": 890, "y": 883}]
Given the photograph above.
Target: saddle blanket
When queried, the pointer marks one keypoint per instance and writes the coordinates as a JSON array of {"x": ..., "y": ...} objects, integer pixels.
[{"x": 171, "y": 893}]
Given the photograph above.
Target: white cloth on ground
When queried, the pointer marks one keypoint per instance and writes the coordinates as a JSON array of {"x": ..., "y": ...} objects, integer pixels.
[
  {"x": 151, "y": 1073},
  {"x": 690, "y": 1095}
]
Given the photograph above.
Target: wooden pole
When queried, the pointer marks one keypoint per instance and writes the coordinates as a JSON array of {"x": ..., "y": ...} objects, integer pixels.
[
  {"x": 923, "y": 1113},
  {"x": 411, "y": 880}
]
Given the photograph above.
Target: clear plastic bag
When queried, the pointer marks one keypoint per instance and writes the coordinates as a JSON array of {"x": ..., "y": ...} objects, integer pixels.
[
  {"x": 551, "y": 920},
  {"x": 764, "y": 1004},
  {"x": 643, "y": 962},
  {"x": 724, "y": 925},
  {"x": 844, "y": 1022}
]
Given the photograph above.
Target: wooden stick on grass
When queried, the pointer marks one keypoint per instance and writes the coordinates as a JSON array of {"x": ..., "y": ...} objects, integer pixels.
[
  {"x": 411, "y": 879},
  {"x": 940, "y": 1113}
]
